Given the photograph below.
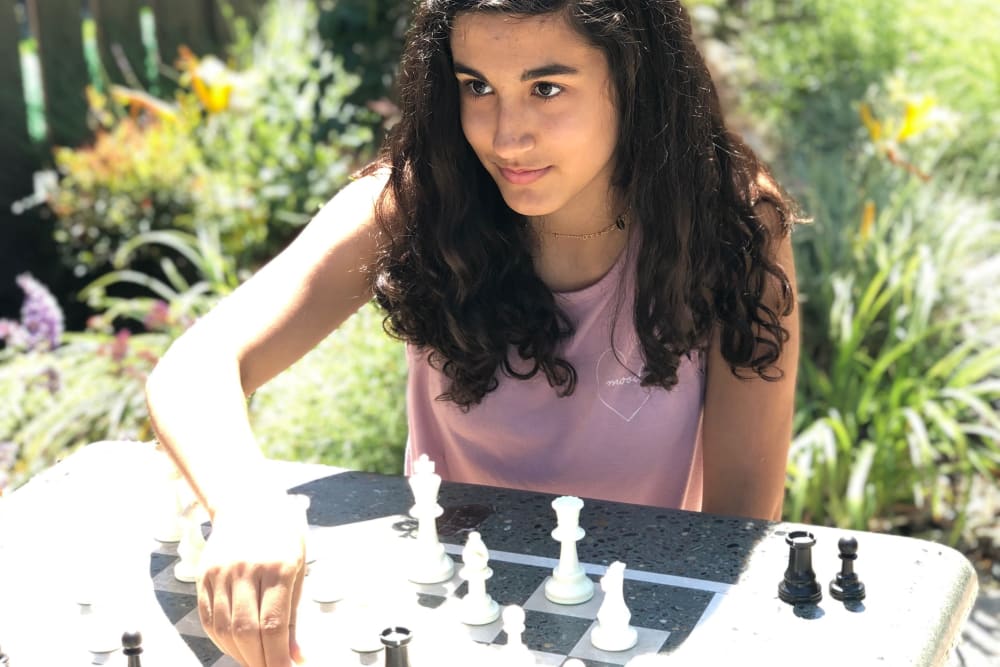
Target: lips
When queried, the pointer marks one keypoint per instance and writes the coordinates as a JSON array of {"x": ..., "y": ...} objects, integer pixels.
[{"x": 523, "y": 176}]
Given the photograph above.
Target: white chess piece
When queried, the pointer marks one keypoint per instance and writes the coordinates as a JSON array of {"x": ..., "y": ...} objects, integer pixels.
[
  {"x": 477, "y": 607},
  {"x": 191, "y": 545},
  {"x": 569, "y": 584},
  {"x": 326, "y": 585},
  {"x": 99, "y": 628},
  {"x": 515, "y": 653},
  {"x": 612, "y": 632},
  {"x": 365, "y": 626},
  {"x": 169, "y": 526},
  {"x": 430, "y": 565}
]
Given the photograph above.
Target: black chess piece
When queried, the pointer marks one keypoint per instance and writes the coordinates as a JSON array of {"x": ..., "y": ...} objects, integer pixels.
[
  {"x": 846, "y": 586},
  {"x": 395, "y": 641},
  {"x": 799, "y": 584},
  {"x": 4, "y": 660},
  {"x": 132, "y": 647}
]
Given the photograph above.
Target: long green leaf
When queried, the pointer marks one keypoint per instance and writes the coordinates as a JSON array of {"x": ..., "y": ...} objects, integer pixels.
[
  {"x": 857, "y": 486},
  {"x": 182, "y": 242},
  {"x": 985, "y": 364},
  {"x": 158, "y": 287}
]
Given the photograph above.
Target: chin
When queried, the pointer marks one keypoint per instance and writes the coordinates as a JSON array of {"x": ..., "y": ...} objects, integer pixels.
[{"x": 526, "y": 203}]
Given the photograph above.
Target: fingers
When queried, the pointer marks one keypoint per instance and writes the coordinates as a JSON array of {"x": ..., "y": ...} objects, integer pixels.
[
  {"x": 277, "y": 614},
  {"x": 250, "y": 617},
  {"x": 214, "y": 610},
  {"x": 293, "y": 644},
  {"x": 246, "y": 630}
]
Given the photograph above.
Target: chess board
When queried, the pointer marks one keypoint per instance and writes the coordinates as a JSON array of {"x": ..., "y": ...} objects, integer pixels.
[
  {"x": 707, "y": 583},
  {"x": 367, "y": 558}
]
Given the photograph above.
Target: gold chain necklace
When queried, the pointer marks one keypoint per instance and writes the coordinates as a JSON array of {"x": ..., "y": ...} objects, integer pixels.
[{"x": 619, "y": 223}]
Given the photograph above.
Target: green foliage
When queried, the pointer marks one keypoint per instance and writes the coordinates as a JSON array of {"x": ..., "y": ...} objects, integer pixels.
[
  {"x": 900, "y": 378},
  {"x": 814, "y": 60},
  {"x": 133, "y": 179},
  {"x": 177, "y": 302},
  {"x": 377, "y": 29},
  {"x": 881, "y": 115},
  {"x": 342, "y": 404},
  {"x": 250, "y": 149},
  {"x": 88, "y": 389}
]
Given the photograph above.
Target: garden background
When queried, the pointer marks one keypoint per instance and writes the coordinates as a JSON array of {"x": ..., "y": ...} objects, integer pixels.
[{"x": 187, "y": 157}]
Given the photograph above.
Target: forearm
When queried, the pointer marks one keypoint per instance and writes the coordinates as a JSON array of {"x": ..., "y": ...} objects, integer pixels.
[{"x": 199, "y": 413}]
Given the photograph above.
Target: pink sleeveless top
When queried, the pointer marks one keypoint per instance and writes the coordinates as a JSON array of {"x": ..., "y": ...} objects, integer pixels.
[{"x": 611, "y": 439}]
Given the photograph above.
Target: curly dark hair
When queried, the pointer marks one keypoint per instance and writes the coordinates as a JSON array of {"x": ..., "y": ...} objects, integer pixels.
[{"x": 455, "y": 273}]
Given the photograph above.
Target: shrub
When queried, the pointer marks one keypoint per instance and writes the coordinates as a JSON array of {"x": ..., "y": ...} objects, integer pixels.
[
  {"x": 342, "y": 404},
  {"x": 250, "y": 148},
  {"x": 61, "y": 390},
  {"x": 897, "y": 394},
  {"x": 878, "y": 118}
]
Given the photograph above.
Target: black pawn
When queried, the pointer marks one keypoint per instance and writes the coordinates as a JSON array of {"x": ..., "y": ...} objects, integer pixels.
[
  {"x": 799, "y": 584},
  {"x": 846, "y": 586},
  {"x": 132, "y": 647},
  {"x": 395, "y": 641}
]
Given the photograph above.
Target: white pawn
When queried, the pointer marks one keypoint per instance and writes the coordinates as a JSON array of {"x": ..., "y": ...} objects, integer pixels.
[
  {"x": 169, "y": 526},
  {"x": 99, "y": 628},
  {"x": 431, "y": 565},
  {"x": 477, "y": 607},
  {"x": 191, "y": 545},
  {"x": 515, "y": 653},
  {"x": 569, "y": 584},
  {"x": 613, "y": 633},
  {"x": 326, "y": 585}
]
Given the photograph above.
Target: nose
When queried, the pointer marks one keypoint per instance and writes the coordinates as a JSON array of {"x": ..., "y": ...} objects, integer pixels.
[{"x": 512, "y": 136}]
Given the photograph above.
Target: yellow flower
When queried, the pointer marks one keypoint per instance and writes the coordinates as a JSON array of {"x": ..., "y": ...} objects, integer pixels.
[
  {"x": 916, "y": 117},
  {"x": 874, "y": 127},
  {"x": 212, "y": 83},
  {"x": 867, "y": 220}
]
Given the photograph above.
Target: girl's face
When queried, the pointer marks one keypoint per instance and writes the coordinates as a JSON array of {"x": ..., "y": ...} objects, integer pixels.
[{"x": 537, "y": 108}]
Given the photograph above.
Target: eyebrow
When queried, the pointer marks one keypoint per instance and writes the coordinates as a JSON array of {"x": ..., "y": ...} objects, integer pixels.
[{"x": 527, "y": 75}]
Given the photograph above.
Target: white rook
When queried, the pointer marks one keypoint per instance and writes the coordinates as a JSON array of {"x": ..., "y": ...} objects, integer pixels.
[{"x": 568, "y": 584}]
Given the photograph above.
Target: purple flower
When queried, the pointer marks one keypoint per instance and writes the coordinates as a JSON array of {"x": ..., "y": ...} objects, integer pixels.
[{"x": 41, "y": 324}]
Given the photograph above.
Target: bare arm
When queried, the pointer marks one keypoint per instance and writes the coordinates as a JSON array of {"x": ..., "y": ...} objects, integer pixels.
[
  {"x": 197, "y": 393},
  {"x": 254, "y": 563},
  {"x": 748, "y": 423}
]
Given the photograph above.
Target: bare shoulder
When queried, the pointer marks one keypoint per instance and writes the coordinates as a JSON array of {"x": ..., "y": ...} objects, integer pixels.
[{"x": 355, "y": 204}]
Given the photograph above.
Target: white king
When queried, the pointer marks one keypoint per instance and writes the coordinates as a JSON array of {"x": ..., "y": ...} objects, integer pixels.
[{"x": 431, "y": 565}]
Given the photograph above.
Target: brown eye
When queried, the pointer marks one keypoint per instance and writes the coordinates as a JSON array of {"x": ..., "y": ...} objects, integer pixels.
[
  {"x": 478, "y": 88},
  {"x": 547, "y": 90}
]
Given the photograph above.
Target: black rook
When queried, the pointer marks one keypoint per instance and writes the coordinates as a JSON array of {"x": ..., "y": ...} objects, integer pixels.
[
  {"x": 395, "y": 641},
  {"x": 799, "y": 584}
]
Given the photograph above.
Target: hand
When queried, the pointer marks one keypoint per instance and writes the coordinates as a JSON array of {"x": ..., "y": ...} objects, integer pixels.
[{"x": 252, "y": 570}]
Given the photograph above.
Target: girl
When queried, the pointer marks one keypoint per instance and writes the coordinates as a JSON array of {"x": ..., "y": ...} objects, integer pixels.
[{"x": 593, "y": 277}]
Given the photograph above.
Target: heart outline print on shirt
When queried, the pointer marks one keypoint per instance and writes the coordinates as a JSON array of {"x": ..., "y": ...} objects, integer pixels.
[{"x": 618, "y": 388}]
